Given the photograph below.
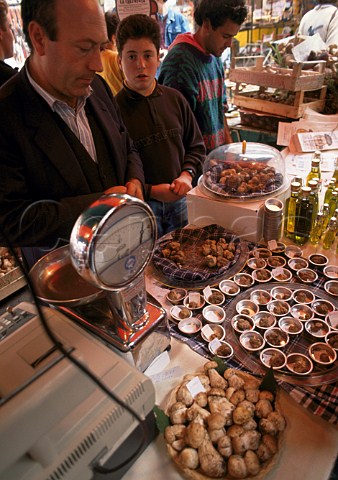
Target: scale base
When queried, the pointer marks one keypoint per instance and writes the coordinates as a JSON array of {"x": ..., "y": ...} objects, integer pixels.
[{"x": 139, "y": 347}]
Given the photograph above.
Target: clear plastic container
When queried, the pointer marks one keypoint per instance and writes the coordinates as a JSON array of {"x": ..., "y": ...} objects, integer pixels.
[{"x": 244, "y": 171}]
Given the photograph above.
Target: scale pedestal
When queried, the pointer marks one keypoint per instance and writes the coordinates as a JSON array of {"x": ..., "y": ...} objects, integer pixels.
[{"x": 138, "y": 346}]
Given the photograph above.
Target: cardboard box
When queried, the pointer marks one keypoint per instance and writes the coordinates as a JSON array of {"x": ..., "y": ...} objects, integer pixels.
[{"x": 245, "y": 218}]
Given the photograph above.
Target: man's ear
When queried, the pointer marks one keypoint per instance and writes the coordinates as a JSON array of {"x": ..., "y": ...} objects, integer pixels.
[
  {"x": 38, "y": 37},
  {"x": 206, "y": 26},
  {"x": 119, "y": 60}
]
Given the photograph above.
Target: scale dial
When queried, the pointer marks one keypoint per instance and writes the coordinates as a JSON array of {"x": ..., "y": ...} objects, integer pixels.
[
  {"x": 119, "y": 239},
  {"x": 124, "y": 246}
]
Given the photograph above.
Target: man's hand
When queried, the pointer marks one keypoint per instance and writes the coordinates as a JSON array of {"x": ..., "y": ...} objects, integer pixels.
[
  {"x": 119, "y": 189},
  {"x": 181, "y": 185},
  {"x": 163, "y": 193},
  {"x": 134, "y": 188}
]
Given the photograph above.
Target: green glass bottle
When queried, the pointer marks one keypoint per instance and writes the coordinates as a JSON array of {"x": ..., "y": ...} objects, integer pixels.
[
  {"x": 330, "y": 233},
  {"x": 303, "y": 219},
  {"x": 290, "y": 211},
  {"x": 333, "y": 203},
  {"x": 314, "y": 199},
  {"x": 335, "y": 173},
  {"x": 315, "y": 168},
  {"x": 317, "y": 229},
  {"x": 329, "y": 190},
  {"x": 326, "y": 212}
]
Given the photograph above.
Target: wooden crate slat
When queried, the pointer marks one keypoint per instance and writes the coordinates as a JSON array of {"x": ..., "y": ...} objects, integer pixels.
[
  {"x": 281, "y": 109},
  {"x": 294, "y": 79}
]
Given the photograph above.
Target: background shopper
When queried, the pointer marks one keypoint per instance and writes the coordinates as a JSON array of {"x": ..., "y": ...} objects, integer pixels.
[
  {"x": 160, "y": 122},
  {"x": 194, "y": 67}
]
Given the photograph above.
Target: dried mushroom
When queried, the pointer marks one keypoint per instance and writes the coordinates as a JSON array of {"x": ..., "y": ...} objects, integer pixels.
[{"x": 230, "y": 436}]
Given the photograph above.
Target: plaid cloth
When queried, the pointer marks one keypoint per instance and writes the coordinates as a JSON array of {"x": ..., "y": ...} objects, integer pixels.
[
  {"x": 193, "y": 237},
  {"x": 320, "y": 400}
]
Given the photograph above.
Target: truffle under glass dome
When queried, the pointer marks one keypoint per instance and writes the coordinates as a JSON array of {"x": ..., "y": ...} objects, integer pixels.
[{"x": 244, "y": 171}]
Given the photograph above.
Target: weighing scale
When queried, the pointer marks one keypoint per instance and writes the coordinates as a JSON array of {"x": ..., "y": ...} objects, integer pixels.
[{"x": 110, "y": 246}]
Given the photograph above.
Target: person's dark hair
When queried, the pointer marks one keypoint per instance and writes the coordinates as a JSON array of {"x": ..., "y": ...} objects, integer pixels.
[
  {"x": 112, "y": 21},
  {"x": 3, "y": 14},
  {"x": 41, "y": 11},
  {"x": 135, "y": 27},
  {"x": 218, "y": 11}
]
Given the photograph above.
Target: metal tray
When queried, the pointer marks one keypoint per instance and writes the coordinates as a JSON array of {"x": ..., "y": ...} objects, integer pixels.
[
  {"x": 319, "y": 375},
  {"x": 11, "y": 282}
]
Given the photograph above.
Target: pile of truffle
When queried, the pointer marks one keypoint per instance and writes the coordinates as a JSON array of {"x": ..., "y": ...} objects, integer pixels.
[{"x": 230, "y": 430}]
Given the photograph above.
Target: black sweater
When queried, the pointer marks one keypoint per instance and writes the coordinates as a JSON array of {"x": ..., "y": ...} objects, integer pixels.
[{"x": 164, "y": 131}]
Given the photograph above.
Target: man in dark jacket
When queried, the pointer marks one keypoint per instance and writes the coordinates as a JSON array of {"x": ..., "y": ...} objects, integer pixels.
[{"x": 62, "y": 139}]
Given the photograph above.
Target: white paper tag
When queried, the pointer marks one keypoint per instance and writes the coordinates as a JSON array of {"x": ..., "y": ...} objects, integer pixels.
[
  {"x": 215, "y": 344},
  {"x": 277, "y": 271},
  {"x": 175, "y": 372},
  {"x": 207, "y": 291},
  {"x": 194, "y": 297},
  {"x": 176, "y": 311},
  {"x": 207, "y": 331},
  {"x": 272, "y": 245},
  {"x": 195, "y": 386},
  {"x": 333, "y": 319}
]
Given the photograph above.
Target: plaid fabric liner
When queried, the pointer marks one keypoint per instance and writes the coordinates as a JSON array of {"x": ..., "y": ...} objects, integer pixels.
[
  {"x": 321, "y": 400},
  {"x": 191, "y": 237}
]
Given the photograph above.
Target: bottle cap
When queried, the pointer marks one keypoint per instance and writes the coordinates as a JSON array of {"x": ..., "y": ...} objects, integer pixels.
[
  {"x": 306, "y": 191},
  {"x": 295, "y": 186}
]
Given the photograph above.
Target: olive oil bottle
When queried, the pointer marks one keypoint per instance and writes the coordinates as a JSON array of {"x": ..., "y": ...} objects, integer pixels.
[
  {"x": 304, "y": 209},
  {"x": 290, "y": 211},
  {"x": 313, "y": 184},
  {"x": 330, "y": 233},
  {"x": 326, "y": 215},
  {"x": 315, "y": 168},
  {"x": 317, "y": 229},
  {"x": 329, "y": 190}
]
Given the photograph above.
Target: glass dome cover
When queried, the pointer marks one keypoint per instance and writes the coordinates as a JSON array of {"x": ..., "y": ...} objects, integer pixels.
[{"x": 244, "y": 170}]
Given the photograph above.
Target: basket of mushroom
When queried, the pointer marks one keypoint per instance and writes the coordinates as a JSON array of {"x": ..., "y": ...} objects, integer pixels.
[{"x": 230, "y": 429}]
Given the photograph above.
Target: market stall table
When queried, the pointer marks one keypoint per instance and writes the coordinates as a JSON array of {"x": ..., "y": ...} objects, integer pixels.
[{"x": 309, "y": 452}]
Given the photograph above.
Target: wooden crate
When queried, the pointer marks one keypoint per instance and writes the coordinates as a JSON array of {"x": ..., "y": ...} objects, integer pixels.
[
  {"x": 294, "y": 79},
  {"x": 244, "y": 100}
]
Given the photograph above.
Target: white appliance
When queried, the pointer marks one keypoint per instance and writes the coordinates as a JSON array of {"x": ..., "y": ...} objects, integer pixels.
[{"x": 55, "y": 422}]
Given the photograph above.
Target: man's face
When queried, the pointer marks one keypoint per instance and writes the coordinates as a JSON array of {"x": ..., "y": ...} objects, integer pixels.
[
  {"x": 66, "y": 67},
  {"x": 216, "y": 41},
  {"x": 7, "y": 40},
  {"x": 139, "y": 62}
]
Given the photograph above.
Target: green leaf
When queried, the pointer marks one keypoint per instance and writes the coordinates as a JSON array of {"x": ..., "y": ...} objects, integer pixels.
[
  {"x": 162, "y": 420},
  {"x": 269, "y": 382},
  {"x": 221, "y": 365}
]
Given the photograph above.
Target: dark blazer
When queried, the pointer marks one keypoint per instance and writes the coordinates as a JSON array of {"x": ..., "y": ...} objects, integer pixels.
[
  {"x": 6, "y": 72},
  {"x": 43, "y": 188}
]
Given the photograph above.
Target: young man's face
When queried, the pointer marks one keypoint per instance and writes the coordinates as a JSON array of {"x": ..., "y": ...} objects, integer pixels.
[
  {"x": 66, "y": 67},
  {"x": 216, "y": 41},
  {"x": 7, "y": 40},
  {"x": 139, "y": 61}
]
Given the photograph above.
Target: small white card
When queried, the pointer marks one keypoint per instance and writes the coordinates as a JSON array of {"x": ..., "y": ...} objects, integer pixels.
[
  {"x": 176, "y": 311},
  {"x": 195, "y": 386},
  {"x": 272, "y": 245},
  {"x": 277, "y": 271},
  {"x": 333, "y": 319},
  {"x": 215, "y": 344},
  {"x": 207, "y": 291},
  {"x": 207, "y": 331},
  {"x": 194, "y": 297}
]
